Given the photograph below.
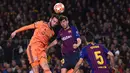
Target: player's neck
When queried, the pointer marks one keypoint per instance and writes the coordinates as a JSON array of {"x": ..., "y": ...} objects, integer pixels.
[
  {"x": 49, "y": 25},
  {"x": 67, "y": 28},
  {"x": 90, "y": 43}
]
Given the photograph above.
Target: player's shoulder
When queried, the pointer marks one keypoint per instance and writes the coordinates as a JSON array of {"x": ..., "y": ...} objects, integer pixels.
[
  {"x": 85, "y": 47},
  {"x": 73, "y": 27},
  {"x": 40, "y": 22},
  {"x": 101, "y": 45}
]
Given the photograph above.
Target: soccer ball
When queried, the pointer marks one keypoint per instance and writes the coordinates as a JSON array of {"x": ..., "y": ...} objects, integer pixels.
[{"x": 59, "y": 8}]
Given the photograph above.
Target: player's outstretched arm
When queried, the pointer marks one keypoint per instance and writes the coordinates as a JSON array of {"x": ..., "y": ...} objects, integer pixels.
[
  {"x": 78, "y": 65},
  {"x": 77, "y": 44},
  {"x": 31, "y": 26}
]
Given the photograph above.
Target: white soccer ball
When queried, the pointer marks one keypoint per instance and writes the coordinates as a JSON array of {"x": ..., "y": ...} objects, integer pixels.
[{"x": 59, "y": 8}]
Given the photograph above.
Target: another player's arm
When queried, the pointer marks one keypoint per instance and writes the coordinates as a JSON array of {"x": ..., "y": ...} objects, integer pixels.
[
  {"x": 78, "y": 42},
  {"x": 77, "y": 36},
  {"x": 53, "y": 43},
  {"x": 31, "y": 26},
  {"x": 111, "y": 59},
  {"x": 82, "y": 56},
  {"x": 76, "y": 45},
  {"x": 110, "y": 54},
  {"x": 78, "y": 65}
]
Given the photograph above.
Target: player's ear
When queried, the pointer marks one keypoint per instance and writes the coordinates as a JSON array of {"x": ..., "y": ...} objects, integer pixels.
[
  {"x": 67, "y": 22},
  {"x": 50, "y": 19}
]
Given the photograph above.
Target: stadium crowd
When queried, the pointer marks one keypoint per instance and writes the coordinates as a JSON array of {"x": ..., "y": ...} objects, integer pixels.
[{"x": 108, "y": 20}]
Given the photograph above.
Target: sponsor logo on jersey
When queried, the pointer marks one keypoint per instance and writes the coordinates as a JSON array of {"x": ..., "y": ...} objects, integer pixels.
[{"x": 66, "y": 37}]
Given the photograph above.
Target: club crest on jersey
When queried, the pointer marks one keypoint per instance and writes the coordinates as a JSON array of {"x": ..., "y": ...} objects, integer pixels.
[{"x": 69, "y": 31}]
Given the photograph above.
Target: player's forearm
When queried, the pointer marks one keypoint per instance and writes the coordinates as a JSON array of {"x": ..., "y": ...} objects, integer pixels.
[
  {"x": 111, "y": 58},
  {"x": 53, "y": 43},
  {"x": 78, "y": 41},
  {"x": 25, "y": 28},
  {"x": 112, "y": 61},
  {"x": 76, "y": 67}
]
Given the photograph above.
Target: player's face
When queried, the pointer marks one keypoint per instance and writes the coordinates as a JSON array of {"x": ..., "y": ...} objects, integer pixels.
[
  {"x": 54, "y": 21},
  {"x": 64, "y": 23}
]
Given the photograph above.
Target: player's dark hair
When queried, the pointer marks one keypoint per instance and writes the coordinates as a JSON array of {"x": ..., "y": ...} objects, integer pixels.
[
  {"x": 89, "y": 37},
  {"x": 62, "y": 17},
  {"x": 55, "y": 15}
]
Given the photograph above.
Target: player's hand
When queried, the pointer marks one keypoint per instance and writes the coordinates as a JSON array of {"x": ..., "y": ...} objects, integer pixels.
[
  {"x": 75, "y": 46},
  {"x": 13, "y": 34},
  {"x": 114, "y": 68}
]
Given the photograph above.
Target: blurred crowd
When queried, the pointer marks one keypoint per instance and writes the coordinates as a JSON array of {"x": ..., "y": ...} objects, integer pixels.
[{"x": 108, "y": 20}]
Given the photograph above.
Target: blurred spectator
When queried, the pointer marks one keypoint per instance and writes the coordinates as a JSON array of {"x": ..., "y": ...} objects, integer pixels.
[
  {"x": 127, "y": 70},
  {"x": 14, "y": 66},
  {"x": 1, "y": 55}
]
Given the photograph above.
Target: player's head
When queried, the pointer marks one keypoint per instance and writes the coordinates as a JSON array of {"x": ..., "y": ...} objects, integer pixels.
[
  {"x": 54, "y": 20},
  {"x": 89, "y": 37},
  {"x": 64, "y": 21}
]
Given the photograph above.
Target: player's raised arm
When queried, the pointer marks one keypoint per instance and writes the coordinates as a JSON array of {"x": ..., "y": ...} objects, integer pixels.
[{"x": 31, "y": 26}]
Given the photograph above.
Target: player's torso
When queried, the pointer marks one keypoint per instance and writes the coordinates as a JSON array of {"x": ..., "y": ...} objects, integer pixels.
[
  {"x": 67, "y": 40},
  {"x": 42, "y": 34},
  {"x": 96, "y": 57}
]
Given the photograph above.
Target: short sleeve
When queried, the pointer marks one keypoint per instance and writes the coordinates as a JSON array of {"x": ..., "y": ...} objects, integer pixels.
[
  {"x": 75, "y": 32},
  {"x": 38, "y": 24},
  {"x": 82, "y": 53}
]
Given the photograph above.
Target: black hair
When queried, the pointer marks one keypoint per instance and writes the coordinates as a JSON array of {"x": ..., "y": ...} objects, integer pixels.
[
  {"x": 89, "y": 37},
  {"x": 62, "y": 17},
  {"x": 55, "y": 15}
]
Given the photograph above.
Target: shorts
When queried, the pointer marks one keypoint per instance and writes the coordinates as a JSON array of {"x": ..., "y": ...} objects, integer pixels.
[
  {"x": 70, "y": 60},
  {"x": 35, "y": 52}
]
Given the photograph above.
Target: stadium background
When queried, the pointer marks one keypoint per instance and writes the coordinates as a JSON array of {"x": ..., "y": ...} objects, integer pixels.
[{"x": 109, "y": 20}]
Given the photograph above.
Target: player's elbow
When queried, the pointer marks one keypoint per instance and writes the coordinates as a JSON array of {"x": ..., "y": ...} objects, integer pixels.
[
  {"x": 55, "y": 42},
  {"x": 110, "y": 54}
]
